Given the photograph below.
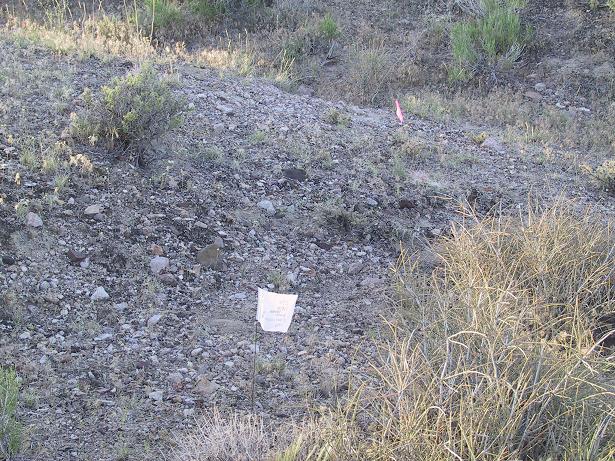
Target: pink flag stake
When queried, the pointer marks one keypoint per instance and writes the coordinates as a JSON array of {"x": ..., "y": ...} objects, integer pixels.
[{"x": 398, "y": 111}]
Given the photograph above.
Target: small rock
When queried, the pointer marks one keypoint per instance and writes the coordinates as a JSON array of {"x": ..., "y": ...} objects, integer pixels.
[
  {"x": 175, "y": 379},
  {"x": 371, "y": 202},
  {"x": 540, "y": 87},
  {"x": 226, "y": 110},
  {"x": 92, "y": 210},
  {"x": 153, "y": 320},
  {"x": 156, "y": 250},
  {"x": 218, "y": 128},
  {"x": 304, "y": 90},
  {"x": 158, "y": 264},
  {"x": 156, "y": 396},
  {"x": 103, "y": 337},
  {"x": 494, "y": 144},
  {"x": 296, "y": 174},
  {"x": 8, "y": 260},
  {"x": 33, "y": 220},
  {"x": 25, "y": 335},
  {"x": 604, "y": 70},
  {"x": 533, "y": 95},
  {"x": 370, "y": 282},
  {"x": 100, "y": 294},
  {"x": 267, "y": 206},
  {"x": 196, "y": 351},
  {"x": 168, "y": 279},
  {"x": 208, "y": 256},
  {"x": 355, "y": 268},
  {"x": 205, "y": 387},
  {"x": 53, "y": 298},
  {"x": 75, "y": 257}
]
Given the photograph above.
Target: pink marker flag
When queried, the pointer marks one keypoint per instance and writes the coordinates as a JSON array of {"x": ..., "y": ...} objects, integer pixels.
[{"x": 398, "y": 111}]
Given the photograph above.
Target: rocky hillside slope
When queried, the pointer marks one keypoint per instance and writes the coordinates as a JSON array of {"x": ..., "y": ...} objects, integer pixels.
[{"x": 117, "y": 311}]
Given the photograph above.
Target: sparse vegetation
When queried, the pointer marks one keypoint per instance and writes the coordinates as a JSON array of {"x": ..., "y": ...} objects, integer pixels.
[
  {"x": 493, "y": 38},
  {"x": 10, "y": 429},
  {"x": 605, "y": 174},
  {"x": 258, "y": 137},
  {"x": 496, "y": 354},
  {"x": 339, "y": 217},
  {"x": 335, "y": 117},
  {"x": 371, "y": 70},
  {"x": 328, "y": 28},
  {"x": 11, "y": 309},
  {"x": 224, "y": 437},
  {"x": 22, "y": 208},
  {"x": 270, "y": 367},
  {"x": 29, "y": 156},
  {"x": 130, "y": 112},
  {"x": 125, "y": 292}
]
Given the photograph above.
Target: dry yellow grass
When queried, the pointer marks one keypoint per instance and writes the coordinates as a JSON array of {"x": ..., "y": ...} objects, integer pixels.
[{"x": 498, "y": 354}]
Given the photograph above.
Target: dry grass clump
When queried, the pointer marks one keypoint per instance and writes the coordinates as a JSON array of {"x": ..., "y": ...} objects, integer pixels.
[
  {"x": 94, "y": 35},
  {"x": 503, "y": 352},
  {"x": 371, "y": 71},
  {"x": 502, "y": 355},
  {"x": 236, "y": 437},
  {"x": 605, "y": 175}
]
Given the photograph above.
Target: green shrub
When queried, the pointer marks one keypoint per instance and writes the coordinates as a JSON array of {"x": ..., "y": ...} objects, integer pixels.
[
  {"x": 129, "y": 113},
  {"x": 175, "y": 20},
  {"x": 485, "y": 42},
  {"x": 161, "y": 14},
  {"x": 328, "y": 28},
  {"x": 10, "y": 430},
  {"x": 208, "y": 9},
  {"x": 605, "y": 173},
  {"x": 611, "y": 4}
]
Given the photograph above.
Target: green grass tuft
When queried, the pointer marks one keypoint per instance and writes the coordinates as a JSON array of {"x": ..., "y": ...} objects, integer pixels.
[
  {"x": 10, "y": 429},
  {"x": 493, "y": 39}
]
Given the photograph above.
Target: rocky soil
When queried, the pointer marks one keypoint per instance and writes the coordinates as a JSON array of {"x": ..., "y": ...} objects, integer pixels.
[{"x": 128, "y": 305}]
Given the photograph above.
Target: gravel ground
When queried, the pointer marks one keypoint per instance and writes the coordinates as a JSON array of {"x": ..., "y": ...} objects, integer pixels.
[{"x": 128, "y": 305}]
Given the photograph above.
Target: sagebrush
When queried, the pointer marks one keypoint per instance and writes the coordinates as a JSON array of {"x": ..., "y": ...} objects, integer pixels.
[{"x": 130, "y": 112}]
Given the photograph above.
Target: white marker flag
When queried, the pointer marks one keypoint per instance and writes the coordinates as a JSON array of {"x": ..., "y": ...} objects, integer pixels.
[{"x": 275, "y": 311}]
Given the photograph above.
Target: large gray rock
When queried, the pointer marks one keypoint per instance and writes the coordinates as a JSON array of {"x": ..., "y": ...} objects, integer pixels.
[
  {"x": 100, "y": 294},
  {"x": 158, "y": 264},
  {"x": 33, "y": 220},
  {"x": 267, "y": 206}
]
